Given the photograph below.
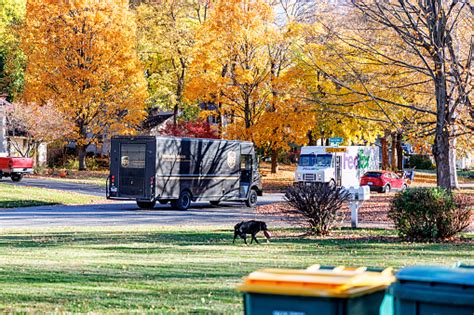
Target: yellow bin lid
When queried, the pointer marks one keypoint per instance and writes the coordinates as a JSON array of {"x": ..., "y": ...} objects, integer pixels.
[{"x": 340, "y": 282}]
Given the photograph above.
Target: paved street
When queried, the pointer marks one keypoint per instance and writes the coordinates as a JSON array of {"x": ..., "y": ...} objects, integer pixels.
[
  {"x": 122, "y": 212},
  {"x": 116, "y": 213},
  {"x": 127, "y": 213}
]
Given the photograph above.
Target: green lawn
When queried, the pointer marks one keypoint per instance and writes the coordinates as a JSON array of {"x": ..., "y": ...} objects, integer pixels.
[
  {"x": 92, "y": 180},
  {"x": 19, "y": 196},
  {"x": 465, "y": 175},
  {"x": 169, "y": 270}
]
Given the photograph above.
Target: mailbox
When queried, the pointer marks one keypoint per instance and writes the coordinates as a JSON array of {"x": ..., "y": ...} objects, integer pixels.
[{"x": 360, "y": 193}]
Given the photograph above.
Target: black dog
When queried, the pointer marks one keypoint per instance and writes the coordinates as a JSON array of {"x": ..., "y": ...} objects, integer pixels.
[{"x": 250, "y": 227}]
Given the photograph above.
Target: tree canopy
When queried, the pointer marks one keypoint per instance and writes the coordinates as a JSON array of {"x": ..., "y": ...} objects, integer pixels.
[{"x": 82, "y": 58}]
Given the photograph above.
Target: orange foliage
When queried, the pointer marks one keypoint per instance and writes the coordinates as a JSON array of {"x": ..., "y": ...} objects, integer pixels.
[{"x": 82, "y": 60}]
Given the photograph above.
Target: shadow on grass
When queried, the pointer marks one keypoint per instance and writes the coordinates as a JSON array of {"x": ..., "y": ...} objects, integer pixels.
[
  {"x": 129, "y": 242},
  {"x": 114, "y": 273},
  {"x": 25, "y": 203}
]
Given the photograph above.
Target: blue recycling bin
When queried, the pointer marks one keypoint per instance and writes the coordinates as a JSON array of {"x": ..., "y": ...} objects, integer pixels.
[{"x": 433, "y": 290}]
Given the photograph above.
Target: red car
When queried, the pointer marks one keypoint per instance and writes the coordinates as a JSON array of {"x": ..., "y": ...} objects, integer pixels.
[{"x": 383, "y": 181}]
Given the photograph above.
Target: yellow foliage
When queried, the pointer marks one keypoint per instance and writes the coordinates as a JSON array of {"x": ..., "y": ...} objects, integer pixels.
[
  {"x": 237, "y": 52},
  {"x": 82, "y": 59}
]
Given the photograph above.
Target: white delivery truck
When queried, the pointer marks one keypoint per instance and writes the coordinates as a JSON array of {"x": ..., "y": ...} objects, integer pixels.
[{"x": 341, "y": 166}]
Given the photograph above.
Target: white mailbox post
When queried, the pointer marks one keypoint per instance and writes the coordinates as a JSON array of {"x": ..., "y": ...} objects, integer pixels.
[{"x": 357, "y": 197}]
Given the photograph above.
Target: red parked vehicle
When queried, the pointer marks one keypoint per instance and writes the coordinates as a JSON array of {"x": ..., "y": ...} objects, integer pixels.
[
  {"x": 383, "y": 181},
  {"x": 15, "y": 167}
]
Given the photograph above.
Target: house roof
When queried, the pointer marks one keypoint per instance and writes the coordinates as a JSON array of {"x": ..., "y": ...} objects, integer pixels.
[
  {"x": 156, "y": 117},
  {"x": 3, "y": 100}
]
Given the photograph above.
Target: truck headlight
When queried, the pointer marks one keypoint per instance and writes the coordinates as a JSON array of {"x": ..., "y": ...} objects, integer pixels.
[{"x": 299, "y": 176}]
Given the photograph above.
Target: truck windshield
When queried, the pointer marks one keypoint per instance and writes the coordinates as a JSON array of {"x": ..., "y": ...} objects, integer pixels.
[
  {"x": 307, "y": 160},
  {"x": 320, "y": 160}
]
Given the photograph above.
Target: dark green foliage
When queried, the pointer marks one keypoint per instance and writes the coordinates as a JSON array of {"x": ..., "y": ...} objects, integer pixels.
[
  {"x": 427, "y": 214},
  {"x": 317, "y": 205},
  {"x": 421, "y": 162}
]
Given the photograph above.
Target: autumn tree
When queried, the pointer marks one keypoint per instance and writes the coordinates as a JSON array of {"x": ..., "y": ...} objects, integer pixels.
[
  {"x": 82, "y": 59},
  {"x": 230, "y": 66},
  {"x": 166, "y": 36},
  {"x": 411, "y": 63},
  {"x": 12, "y": 61},
  {"x": 35, "y": 125},
  {"x": 331, "y": 73},
  {"x": 242, "y": 66}
]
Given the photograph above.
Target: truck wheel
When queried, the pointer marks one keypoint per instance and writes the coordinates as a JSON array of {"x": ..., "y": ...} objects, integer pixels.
[
  {"x": 16, "y": 177},
  {"x": 146, "y": 204},
  {"x": 183, "y": 202},
  {"x": 386, "y": 189},
  {"x": 214, "y": 203},
  {"x": 252, "y": 199}
]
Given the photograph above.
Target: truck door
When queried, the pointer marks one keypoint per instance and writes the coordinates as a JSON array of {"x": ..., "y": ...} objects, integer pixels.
[
  {"x": 132, "y": 169},
  {"x": 245, "y": 174},
  {"x": 338, "y": 170}
]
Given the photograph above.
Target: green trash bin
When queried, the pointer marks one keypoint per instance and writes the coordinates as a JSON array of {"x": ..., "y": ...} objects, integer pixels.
[
  {"x": 430, "y": 290},
  {"x": 322, "y": 291}
]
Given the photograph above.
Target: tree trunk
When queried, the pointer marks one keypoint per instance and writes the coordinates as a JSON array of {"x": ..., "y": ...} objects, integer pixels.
[
  {"x": 441, "y": 155},
  {"x": 452, "y": 164},
  {"x": 175, "y": 114},
  {"x": 179, "y": 90},
  {"x": 394, "y": 152},
  {"x": 247, "y": 114},
  {"x": 81, "y": 149},
  {"x": 441, "y": 142},
  {"x": 399, "y": 151},
  {"x": 385, "y": 160},
  {"x": 219, "y": 121},
  {"x": 274, "y": 161},
  {"x": 311, "y": 140}
]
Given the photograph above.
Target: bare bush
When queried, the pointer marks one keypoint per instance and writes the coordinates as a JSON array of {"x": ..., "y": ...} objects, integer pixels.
[{"x": 318, "y": 205}]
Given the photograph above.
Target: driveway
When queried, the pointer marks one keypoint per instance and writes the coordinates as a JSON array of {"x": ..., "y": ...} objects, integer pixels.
[{"x": 127, "y": 213}]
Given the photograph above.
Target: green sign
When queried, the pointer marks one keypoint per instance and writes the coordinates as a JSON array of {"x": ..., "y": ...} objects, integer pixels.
[{"x": 335, "y": 141}]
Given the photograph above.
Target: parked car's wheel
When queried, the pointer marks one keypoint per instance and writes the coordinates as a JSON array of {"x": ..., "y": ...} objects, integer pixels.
[
  {"x": 386, "y": 189},
  {"x": 146, "y": 204},
  {"x": 252, "y": 198},
  {"x": 183, "y": 202},
  {"x": 16, "y": 177},
  {"x": 214, "y": 202},
  {"x": 163, "y": 202},
  {"x": 404, "y": 187}
]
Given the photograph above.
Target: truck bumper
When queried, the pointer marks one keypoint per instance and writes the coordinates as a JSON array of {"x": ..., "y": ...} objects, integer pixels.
[
  {"x": 17, "y": 170},
  {"x": 21, "y": 170}
]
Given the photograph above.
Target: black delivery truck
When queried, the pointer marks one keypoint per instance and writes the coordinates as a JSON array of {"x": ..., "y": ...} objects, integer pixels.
[{"x": 180, "y": 170}]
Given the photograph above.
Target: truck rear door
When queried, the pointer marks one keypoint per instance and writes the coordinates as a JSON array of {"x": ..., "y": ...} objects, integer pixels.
[{"x": 132, "y": 169}]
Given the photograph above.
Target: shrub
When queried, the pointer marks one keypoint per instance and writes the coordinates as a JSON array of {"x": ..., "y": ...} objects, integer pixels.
[
  {"x": 93, "y": 163},
  {"x": 197, "y": 128},
  {"x": 318, "y": 204},
  {"x": 422, "y": 162},
  {"x": 427, "y": 214}
]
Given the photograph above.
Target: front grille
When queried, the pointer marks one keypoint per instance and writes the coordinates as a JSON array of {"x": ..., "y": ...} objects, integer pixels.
[{"x": 309, "y": 177}]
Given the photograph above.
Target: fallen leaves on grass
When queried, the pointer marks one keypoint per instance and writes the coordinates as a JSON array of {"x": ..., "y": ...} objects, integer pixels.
[{"x": 373, "y": 210}]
